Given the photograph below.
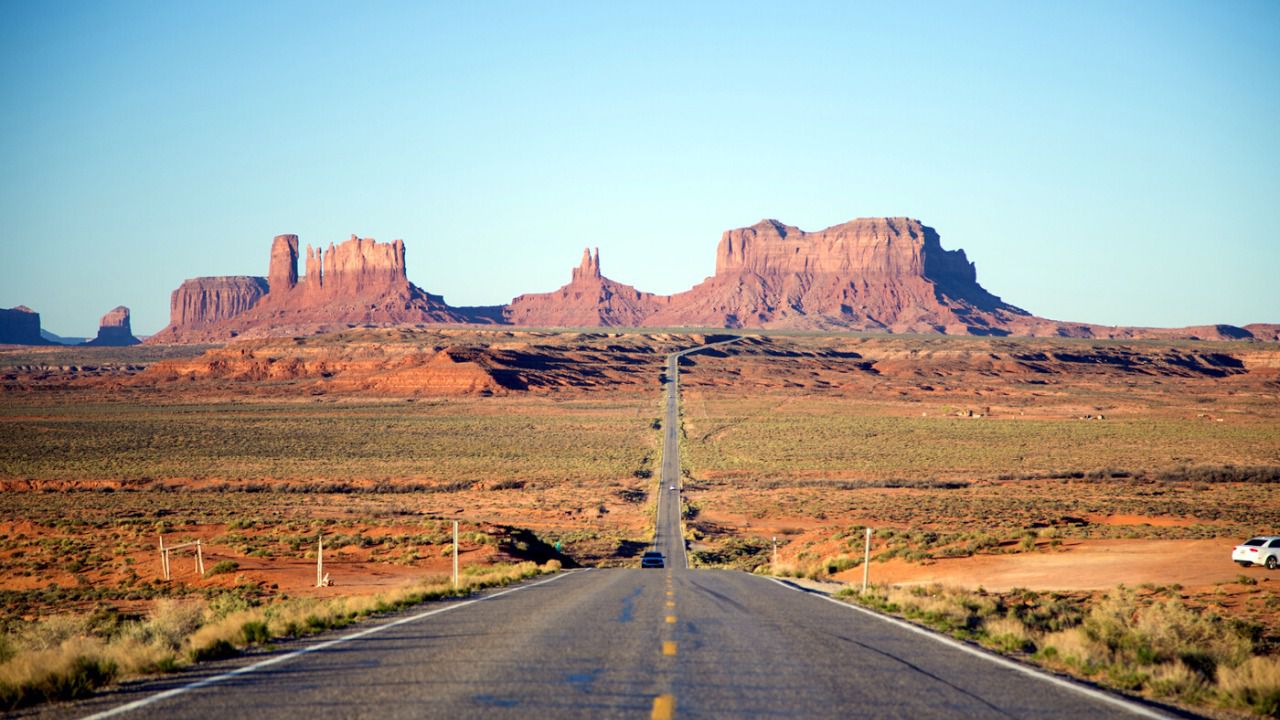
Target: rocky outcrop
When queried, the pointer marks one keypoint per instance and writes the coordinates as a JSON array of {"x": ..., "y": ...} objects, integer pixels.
[
  {"x": 1269, "y": 332},
  {"x": 880, "y": 274},
  {"x": 282, "y": 273},
  {"x": 589, "y": 269},
  {"x": 589, "y": 300},
  {"x": 204, "y": 302},
  {"x": 114, "y": 329},
  {"x": 359, "y": 267},
  {"x": 20, "y": 326},
  {"x": 357, "y": 282},
  {"x": 868, "y": 274}
]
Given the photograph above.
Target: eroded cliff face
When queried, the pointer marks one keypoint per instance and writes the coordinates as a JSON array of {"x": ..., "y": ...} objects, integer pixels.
[
  {"x": 204, "y": 302},
  {"x": 359, "y": 267},
  {"x": 589, "y": 300},
  {"x": 867, "y": 274},
  {"x": 282, "y": 273},
  {"x": 20, "y": 326},
  {"x": 114, "y": 329},
  {"x": 360, "y": 281},
  {"x": 870, "y": 274}
]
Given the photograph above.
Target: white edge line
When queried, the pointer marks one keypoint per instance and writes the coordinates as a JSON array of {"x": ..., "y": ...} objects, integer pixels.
[
  {"x": 1094, "y": 693},
  {"x": 275, "y": 659}
]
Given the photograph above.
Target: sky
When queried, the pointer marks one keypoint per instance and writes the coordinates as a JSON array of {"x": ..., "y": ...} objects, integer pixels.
[{"x": 1115, "y": 162}]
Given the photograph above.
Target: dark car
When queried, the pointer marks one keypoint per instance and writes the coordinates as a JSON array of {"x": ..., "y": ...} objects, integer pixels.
[{"x": 652, "y": 559}]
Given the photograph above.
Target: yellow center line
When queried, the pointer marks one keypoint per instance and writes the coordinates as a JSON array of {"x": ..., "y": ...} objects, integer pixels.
[
  {"x": 671, "y": 603},
  {"x": 671, "y": 619},
  {"x": 664, "y": 707},
  {"x": 669, "y": 647},
  {"x": 670, "y": 593}
]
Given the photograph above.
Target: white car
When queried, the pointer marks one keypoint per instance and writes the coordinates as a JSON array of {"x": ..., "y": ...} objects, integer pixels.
[{"x": 1261, "y": 550}]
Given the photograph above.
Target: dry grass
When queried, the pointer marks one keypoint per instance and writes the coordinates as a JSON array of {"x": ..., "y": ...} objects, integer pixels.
[
  {"x": 425, "y": 442},
  {"x": 70, "y": 656},
  {"x": 756, "y": 438},
  {"x": 1157, "y": 647}
]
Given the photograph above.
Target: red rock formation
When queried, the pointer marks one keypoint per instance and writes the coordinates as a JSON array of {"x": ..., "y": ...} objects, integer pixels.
[
  {"x": 867, "y": 274},
  {"x": 589, "y": 268},
  {"x": 872, "y": 274},
  {"x": 114, "y": 329},
  {"x": 363, "y": 265},
  {"x": 360, "y": 281},
  {"x": 282, "y": 274},
  {"x": 589, "y": 300},
  {"x": 20, "y": 326},
  {"x": 315, "y": 271},
  {"x": 1269, "y": 332},
  {"x": 204, "y": 302}
]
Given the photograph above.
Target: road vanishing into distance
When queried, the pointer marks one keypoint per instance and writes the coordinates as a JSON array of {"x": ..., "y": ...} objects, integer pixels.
[{"x": 621, "y": 643}]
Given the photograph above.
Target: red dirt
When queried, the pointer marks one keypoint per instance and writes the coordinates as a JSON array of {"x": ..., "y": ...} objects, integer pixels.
[{"x": 1075, "y": 565}]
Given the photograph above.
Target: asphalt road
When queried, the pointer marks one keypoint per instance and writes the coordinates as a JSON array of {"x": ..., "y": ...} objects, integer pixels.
[{"x": 617, "y": 643}]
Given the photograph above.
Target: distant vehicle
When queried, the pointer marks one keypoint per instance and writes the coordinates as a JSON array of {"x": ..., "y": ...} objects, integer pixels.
[
  {"x": 652, "y": 559},
  {"x": 673, "y": 487},
  {"x": 1261, "y": 550}
]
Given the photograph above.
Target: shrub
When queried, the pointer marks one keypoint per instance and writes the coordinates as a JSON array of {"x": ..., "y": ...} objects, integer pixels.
[
  {"x": 1255, "y": 684},
  {"x": 221, "y": 567},
  {"x": 216, "y": 650},
  {"x": 73, "y": 670},
  {"x": 255, "y": 632},
  {"x": 1009, "y": 634}
]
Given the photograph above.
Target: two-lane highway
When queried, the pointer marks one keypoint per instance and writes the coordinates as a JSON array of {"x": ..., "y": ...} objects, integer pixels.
[
  {"x": 621, "y": 643},
  {"x": 668, "y": 537}
]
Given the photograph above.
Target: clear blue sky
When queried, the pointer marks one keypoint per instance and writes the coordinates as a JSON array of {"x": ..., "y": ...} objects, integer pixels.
[{"x": 1116, "y": 162}]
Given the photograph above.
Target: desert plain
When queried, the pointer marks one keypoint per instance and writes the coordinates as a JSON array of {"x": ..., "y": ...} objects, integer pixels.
[{"x": 1061, "y": 467}]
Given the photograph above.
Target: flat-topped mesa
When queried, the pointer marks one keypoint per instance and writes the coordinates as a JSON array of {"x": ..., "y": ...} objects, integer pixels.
[
  {"x": 866, "y": 246},
  {"x": 20, "y": 326},
  {"x": 114, "y": 329},
  {"x": 203, "y": 301},
  {"x": 589, "y": 268},
  {"x": 869, "y": 273},
  {"x": 356, "y": 281}
]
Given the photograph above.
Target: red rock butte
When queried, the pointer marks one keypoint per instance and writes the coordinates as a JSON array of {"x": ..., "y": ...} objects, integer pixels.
[
  {"x": 20, "y": 326},
  {"x": 360, "y": 281},
  {"x": 114, "y": 329},
  {"x": 869, "y": 274}
]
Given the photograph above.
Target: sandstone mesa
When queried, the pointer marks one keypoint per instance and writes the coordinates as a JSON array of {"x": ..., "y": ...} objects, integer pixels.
[
  {"x": 869, "y": 274},
  {"x": 20, "y": 326},
  {"x": 114, "y": 329}
]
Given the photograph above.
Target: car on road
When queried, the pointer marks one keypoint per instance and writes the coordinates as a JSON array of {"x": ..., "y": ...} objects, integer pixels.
[
  {"x": 673, "y": 487},
  {"x": 1261, "y": 550},
  {"x": 652, "y": 559}
]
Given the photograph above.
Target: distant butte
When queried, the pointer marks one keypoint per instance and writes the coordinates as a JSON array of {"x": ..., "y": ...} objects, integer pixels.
[
  {"x": 20, "y": 326},
  {"x": 589, "y": 300},
  {"x": 114, "y": 329},
  {"x": 869, "y": 274}
]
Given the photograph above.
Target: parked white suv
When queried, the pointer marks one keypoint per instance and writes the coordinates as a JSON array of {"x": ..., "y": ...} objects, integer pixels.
[{"x": 1261, "y": 550}]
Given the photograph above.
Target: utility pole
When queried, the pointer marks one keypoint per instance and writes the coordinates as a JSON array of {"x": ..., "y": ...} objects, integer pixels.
[
  {"x": 320, "y": 561},
  {"x": 866, "y": 561},
  {"x": 455, "y": 554},
  {"x": 775, "y": 553}
]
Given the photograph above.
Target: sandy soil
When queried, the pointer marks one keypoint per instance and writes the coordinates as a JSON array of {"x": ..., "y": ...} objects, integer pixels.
[{"x": 1076, "y": 565}]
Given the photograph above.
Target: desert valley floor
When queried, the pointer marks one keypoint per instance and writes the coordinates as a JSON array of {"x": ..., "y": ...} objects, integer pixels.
[{"x": 1060, "y": 466}]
